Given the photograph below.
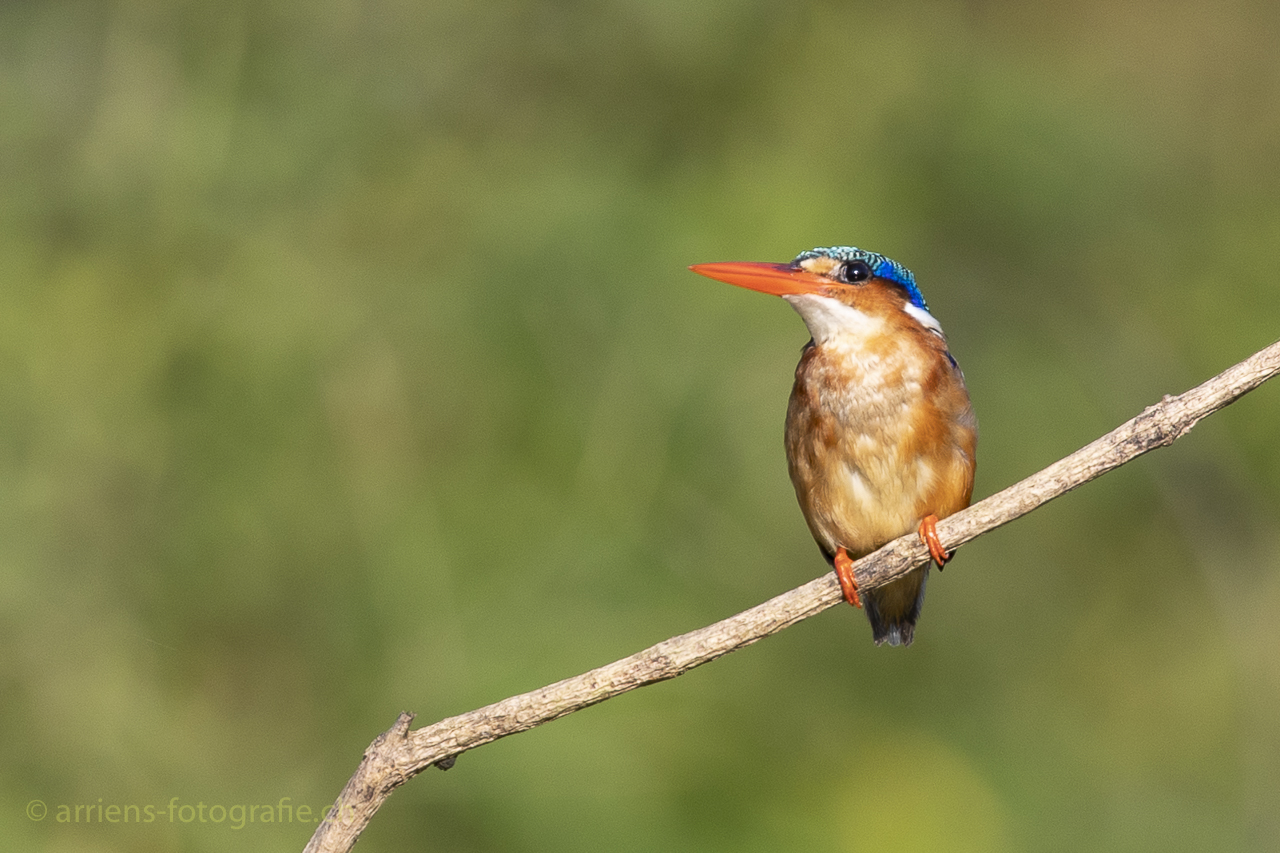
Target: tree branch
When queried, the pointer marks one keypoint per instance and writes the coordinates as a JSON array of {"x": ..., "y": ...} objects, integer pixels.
[{"x": 398, "y": 754}]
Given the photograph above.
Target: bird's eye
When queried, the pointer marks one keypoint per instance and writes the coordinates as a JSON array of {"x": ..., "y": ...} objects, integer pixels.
[{"x": 855, "y": 271}]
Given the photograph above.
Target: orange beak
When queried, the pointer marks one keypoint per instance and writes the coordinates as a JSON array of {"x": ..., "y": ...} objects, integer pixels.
[{"x": 778, "y": 279}]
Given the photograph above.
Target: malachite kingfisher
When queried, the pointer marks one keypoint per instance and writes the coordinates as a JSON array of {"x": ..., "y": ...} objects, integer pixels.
[{"x": 880, "y": 434}]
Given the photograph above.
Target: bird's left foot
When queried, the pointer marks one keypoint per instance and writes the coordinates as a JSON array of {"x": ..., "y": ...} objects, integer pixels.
[
  {"x": 929, "y": 536},
  {"x": 844, "y": 572}
]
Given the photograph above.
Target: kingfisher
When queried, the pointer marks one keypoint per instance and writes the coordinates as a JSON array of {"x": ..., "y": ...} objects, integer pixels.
[{"x": 880, "y": 434}]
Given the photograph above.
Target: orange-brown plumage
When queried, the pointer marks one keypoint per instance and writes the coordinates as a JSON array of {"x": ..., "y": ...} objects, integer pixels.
[{"x": 880, "y": 436}]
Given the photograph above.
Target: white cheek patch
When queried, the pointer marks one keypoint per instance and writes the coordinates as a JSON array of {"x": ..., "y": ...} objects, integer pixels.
[
  {"x": 827, "y": 318},
  {"x": 924, "y": 318}
]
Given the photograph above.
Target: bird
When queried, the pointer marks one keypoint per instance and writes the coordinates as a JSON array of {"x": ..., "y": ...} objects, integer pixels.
[{"x": 880, "y": 434}]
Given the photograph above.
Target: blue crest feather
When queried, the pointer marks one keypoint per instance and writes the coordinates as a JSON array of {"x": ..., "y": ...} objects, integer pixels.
[{"x": 881, "y": 267}]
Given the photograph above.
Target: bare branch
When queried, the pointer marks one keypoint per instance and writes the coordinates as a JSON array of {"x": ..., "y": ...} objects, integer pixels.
[{"x": 399, "y": 754}]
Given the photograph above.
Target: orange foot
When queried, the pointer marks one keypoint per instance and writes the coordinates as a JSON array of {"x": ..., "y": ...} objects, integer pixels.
[
  {"x": 929, "y": 535},
  {"x": 844, "y": 571}
]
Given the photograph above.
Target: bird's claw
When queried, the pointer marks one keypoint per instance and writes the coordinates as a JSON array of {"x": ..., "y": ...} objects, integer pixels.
[
  {"x": 929, "y": 535},
  {"x": 844, "y": 573}
]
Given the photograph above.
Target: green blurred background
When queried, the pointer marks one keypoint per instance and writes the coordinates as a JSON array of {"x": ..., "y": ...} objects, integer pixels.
[{"x": 349, "y": 364}]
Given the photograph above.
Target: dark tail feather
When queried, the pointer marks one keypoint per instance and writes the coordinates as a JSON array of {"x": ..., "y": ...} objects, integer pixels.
[{"x": 894, "y": 608}]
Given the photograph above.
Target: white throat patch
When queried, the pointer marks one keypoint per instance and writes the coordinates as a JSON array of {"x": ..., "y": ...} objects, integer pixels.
[{"x": 829, "y": 319}]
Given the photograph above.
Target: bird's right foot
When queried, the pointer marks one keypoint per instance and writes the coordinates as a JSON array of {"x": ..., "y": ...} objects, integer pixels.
[{"x": 844, "y": 573}]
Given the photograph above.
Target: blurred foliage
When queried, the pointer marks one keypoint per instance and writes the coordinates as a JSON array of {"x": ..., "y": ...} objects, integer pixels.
[{"x": 349, "y": 364}]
